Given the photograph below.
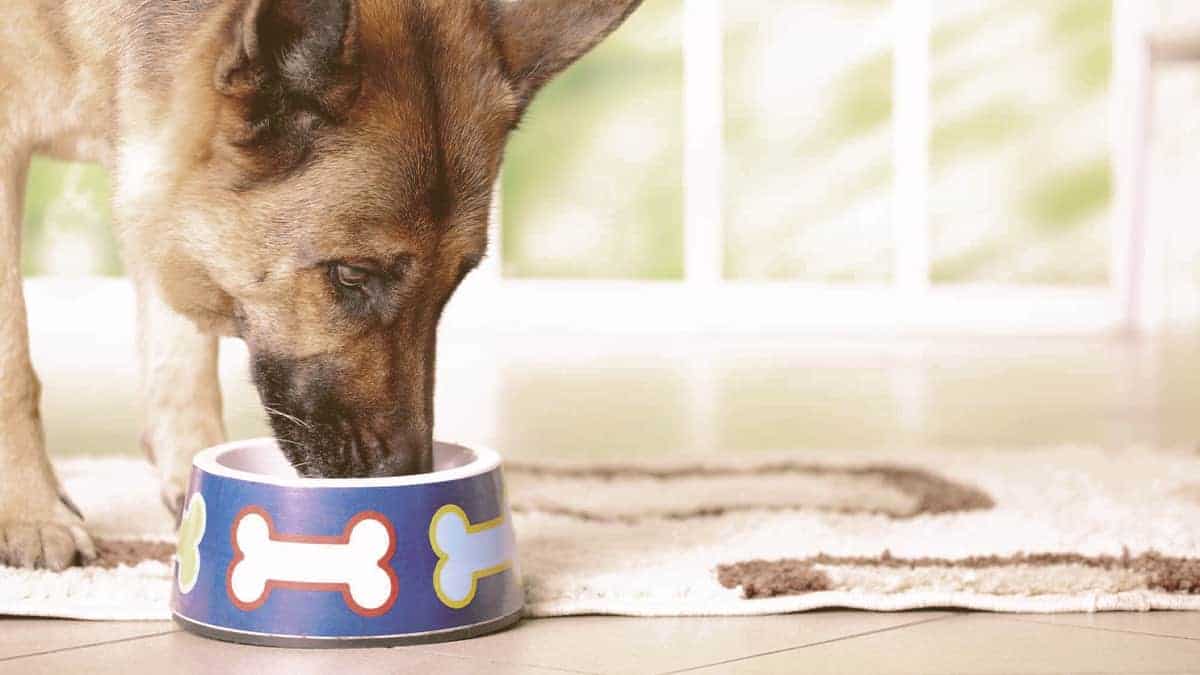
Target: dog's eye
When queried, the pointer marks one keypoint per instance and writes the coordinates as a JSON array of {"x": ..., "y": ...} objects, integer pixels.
[{"x": 351, "y": 276}]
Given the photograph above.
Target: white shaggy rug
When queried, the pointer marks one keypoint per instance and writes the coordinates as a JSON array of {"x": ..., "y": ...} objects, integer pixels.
[{"x": 1046, "y": 530}]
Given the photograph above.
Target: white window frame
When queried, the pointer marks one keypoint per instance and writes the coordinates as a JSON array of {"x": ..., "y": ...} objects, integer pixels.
[{"x": 704, "y": 302}]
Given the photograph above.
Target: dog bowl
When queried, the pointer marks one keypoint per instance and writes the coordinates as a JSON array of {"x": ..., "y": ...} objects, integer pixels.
[{"x": 266, "y": 557}]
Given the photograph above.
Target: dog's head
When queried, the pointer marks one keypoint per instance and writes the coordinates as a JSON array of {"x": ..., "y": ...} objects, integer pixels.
[{"x": 340, "y": 192}]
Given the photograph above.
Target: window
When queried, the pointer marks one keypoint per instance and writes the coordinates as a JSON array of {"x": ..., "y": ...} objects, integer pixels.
[
  {"x": 1020, "y": 168},
  {"x": 758, "y": 166},
  {"x": 808, "y": 137},
  {"x": 865, "y": 164},
  {"x": 593, "y": 180}
]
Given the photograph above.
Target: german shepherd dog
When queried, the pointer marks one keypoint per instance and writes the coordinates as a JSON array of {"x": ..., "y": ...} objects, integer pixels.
[{"x": 313, "y": 176}]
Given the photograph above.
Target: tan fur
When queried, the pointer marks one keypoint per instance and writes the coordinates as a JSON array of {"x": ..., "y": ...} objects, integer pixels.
[{"x": 227, "y": 233}]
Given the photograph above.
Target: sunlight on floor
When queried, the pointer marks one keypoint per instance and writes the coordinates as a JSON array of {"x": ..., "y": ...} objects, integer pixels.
[{"x": 584, "y": 397}]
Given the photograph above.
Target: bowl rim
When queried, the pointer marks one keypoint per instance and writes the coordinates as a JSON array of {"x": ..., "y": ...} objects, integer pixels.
[{"x": 486, "y": 460}]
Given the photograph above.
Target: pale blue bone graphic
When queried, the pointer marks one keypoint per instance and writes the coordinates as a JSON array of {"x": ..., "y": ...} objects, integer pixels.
[
  {"x": 467, "y": 553},
  {"x": 187, "y": 548}
]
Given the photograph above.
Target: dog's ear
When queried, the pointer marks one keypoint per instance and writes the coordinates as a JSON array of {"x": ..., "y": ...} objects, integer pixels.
[
  {"x": 289, "y": 65},
  {"x": 540, "y": 38}
]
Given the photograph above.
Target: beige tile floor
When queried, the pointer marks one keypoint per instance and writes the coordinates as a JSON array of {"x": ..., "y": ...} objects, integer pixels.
[{"x": 593, "y": 397}]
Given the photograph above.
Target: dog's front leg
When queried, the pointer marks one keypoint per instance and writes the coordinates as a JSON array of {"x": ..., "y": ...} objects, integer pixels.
[
  {"x": 37, "y": 527},
  {"x": 180, "y": 390}
]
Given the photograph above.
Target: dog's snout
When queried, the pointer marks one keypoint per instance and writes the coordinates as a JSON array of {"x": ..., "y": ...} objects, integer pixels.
[
  {"x": 346, "y": 450},
  {"x": 407, "y": 451},
  {"x": 330, "y": 426}
]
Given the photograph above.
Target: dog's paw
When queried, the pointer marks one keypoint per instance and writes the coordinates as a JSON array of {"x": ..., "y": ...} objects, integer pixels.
[
  {"x": 171, "y": 454},
  {"x": 54, "y": 540},
  {"x": 174, "y": 494}
]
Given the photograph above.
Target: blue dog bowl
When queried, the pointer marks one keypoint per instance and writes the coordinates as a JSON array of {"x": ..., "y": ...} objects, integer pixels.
[{"x": 266, "y": 557}]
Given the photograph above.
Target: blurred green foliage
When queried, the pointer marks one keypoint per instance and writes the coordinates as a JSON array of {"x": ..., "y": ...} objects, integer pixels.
[
  {"x": 593, "y": 180},
  {"x": 67, "y": 222},
  {"x": 808, "y": 168},
  {"x": 1021, "y": 179},
  {"x": 981, "y": 129},
  {"x": 862, "y": 98},
  {"x": 1069, "y": 195}
]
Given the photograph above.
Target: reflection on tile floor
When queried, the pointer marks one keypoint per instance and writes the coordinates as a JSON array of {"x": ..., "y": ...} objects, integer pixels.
[
  {"x": 581, "y": 397},
  {"x": 622, "y": 645},
  {"x": 20, "y": 636},
  {"x": 983, "y": 644}
]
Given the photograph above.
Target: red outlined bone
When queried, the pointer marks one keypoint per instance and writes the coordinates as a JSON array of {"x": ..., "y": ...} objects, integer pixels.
[{"x": 354, "y": 563}]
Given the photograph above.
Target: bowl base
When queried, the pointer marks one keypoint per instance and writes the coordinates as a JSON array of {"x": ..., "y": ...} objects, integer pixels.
[{"x": 299, "y": 642}]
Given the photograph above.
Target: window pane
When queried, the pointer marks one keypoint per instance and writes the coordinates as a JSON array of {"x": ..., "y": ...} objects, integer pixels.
[
  {"x": 1020, "y": 185},
  {"x": 593, "y": 180},
  {"x": 808, "y": 169},
  {"x": 67, "y": 224}
]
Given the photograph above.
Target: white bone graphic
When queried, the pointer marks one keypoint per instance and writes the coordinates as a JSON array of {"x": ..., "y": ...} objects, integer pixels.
[
  {"x": 356, "y": 563},
  {"x": 467, "y": 553}
]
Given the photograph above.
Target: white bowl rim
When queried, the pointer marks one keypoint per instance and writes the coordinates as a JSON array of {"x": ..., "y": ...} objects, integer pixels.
[{"x": 485, "y": 461}]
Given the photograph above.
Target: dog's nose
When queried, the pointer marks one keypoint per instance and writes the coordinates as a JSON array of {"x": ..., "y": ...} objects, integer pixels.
[{"x": 408, "y": 451}]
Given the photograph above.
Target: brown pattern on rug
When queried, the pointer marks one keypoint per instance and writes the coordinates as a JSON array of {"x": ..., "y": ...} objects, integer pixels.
[
  {"x": 110, "y": 553},
  {"x": 928, "y": 492},
  {"x": 698, "y": 512},
  {"x": 769, "y": 578}
]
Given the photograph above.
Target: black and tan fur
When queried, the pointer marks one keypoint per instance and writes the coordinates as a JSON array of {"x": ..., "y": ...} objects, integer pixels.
[{"x": 313, "y": 176}]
